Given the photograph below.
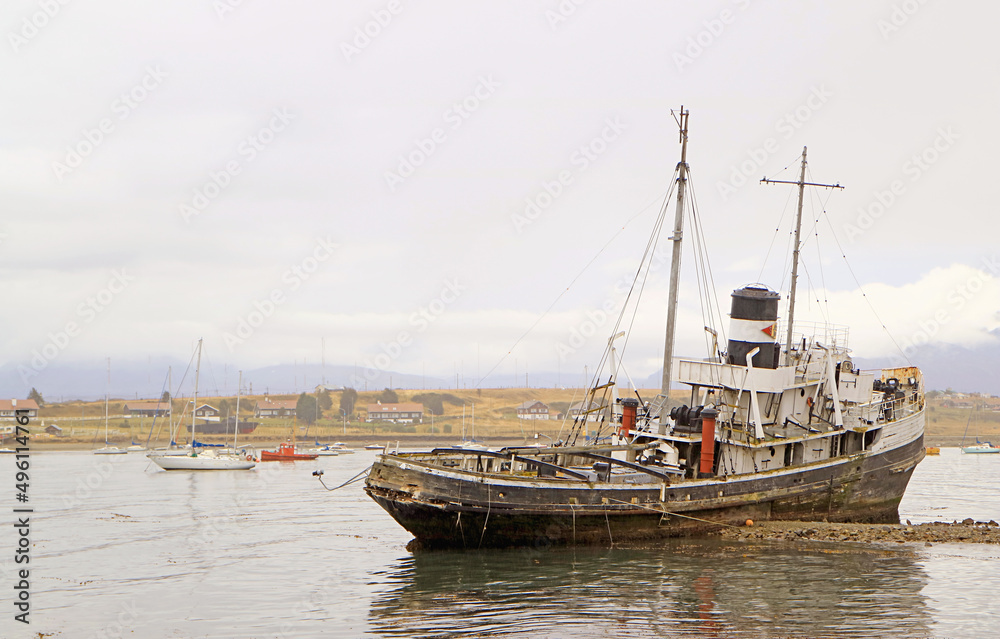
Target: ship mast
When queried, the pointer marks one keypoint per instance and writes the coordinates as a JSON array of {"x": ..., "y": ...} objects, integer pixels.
[
  {"x": 675, "y": 268},
  {"x": 802, "y": 184}
]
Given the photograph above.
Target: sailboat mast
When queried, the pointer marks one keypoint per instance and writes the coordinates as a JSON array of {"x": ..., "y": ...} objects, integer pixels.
[
  {"x": 675, "y": 267},
  {"x": 236, "y": 428},
  {"x": 795, "y": 262},
  {"x": 194, "y": 406},
  {"x": 107, "y": 390}
]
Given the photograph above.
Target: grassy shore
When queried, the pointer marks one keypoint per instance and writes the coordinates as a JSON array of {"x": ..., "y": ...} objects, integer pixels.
[{"x": 487, "y": 414}]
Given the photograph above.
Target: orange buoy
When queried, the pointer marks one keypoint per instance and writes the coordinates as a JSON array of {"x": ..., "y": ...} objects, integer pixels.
[{"x": 749, "y": 522}]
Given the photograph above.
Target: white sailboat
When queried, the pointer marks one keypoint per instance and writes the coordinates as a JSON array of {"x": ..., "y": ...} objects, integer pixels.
[
  {"x": 979, "y": 447},
  {"x": 108, "y": 449},
  {"x": 206, "y": 459}
]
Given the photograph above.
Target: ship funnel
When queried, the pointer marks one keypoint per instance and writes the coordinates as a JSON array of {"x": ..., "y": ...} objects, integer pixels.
[{"x": 754, "y": 324}]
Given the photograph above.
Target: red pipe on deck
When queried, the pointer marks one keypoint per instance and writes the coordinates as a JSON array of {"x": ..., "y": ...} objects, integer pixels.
[
  {"x": 708, "y": 416},
  {"x": 629, "y": 408}
]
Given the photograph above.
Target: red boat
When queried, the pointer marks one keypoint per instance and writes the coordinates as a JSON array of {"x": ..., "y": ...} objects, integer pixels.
[{"x": 285, "y": 452}]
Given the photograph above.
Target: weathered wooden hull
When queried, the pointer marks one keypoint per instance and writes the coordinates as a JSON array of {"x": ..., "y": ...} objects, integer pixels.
[{"x": 445, "y": 507}]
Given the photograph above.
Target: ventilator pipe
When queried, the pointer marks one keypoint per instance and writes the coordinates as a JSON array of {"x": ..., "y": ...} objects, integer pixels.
[
  {"x": 708, "y": 415},
  {"x": 629, "y": 408}
]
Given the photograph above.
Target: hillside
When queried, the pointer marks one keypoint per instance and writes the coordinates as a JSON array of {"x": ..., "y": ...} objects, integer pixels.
[{"x": 486, "y": 414}]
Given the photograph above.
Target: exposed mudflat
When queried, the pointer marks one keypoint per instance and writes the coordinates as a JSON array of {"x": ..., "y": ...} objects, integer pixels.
[{"x": 967, "y": 531}]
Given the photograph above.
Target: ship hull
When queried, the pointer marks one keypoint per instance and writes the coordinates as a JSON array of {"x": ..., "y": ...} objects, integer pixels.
[{"x": 451, "y": 508}]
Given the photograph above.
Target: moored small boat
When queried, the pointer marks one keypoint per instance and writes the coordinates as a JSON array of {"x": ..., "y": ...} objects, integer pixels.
[
  {"x": 324, "y": 451},
  {"x": 110, "y": 450},
  {"x": 981, "y": 448},
  {"x": 199, "y": 456},
  {"x": 286, "y": 452},
  {"x": 206, "y": 459}
]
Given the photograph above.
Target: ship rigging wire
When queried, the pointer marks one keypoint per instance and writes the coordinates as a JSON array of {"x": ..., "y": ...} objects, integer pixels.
[{"x": 569, "y": 286}]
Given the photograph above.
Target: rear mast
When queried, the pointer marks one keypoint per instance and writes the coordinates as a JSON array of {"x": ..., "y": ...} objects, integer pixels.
[
  {"x": 802, "y": 184},
  {"x": 675, "y": 269}
]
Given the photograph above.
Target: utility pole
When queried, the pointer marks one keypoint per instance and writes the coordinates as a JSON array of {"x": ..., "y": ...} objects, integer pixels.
[{"x": 802, "y": 184}]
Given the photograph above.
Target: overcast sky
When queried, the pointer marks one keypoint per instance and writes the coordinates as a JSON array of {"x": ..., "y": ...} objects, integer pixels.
[{"x": 270, "y": 175}]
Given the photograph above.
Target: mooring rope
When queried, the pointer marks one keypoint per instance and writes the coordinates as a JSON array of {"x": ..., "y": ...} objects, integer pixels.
[{"x": 363, "y": 474}]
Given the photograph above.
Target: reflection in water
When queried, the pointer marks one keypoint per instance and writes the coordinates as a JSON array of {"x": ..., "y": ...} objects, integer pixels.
[{"x": 711, "y": 588}]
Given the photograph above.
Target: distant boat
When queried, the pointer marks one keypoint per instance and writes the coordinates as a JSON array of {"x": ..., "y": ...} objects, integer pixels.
[
  {"x": 6, "y": 451},
  {"x": 324, "y": 451},
  {"x": 979, "y": 447},
  {"x": 108, "y": 449},
  {"x": 286, "y": 452},
  {"x": 374, "y": 447},
  {"x": 198, "y": 458},
  {"x": 331, "y": 450},
  {"x": 342, "y": 448},
  {"x": 210, "y": 459}
]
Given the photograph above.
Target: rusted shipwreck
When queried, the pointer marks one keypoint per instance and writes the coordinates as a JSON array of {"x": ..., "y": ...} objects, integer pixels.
[{"x": 771, "y": 431}]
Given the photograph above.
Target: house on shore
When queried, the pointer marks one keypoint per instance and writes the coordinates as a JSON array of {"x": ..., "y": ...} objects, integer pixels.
[
  {"x": 404, "y": 413},
  {"x": 146, "y": 409},
  {"x": 208, "y": 413},
  {"x": 533, "y": 409},
  {"x": 9, "y": 406},
  {"x": 275, "y": 408}
]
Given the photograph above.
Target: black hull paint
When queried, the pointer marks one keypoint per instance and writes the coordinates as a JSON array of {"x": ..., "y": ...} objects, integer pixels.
[{"x": 448, "y": 508}]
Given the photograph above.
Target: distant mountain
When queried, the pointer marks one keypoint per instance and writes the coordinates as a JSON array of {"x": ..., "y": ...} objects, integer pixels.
[
  {"x": 148, "y": 379},
  {"x": 944, "y": 366}
]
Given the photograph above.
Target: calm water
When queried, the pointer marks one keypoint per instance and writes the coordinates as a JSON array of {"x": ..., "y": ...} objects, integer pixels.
[{"x": 124, "y": 549}]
